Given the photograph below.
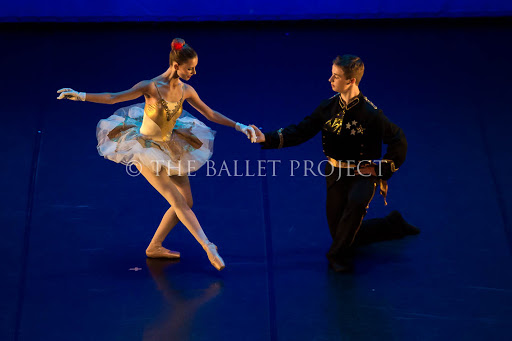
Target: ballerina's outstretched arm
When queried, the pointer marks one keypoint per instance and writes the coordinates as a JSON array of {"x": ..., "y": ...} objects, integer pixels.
[
  {"x": 193, "y": 99},
  {"x": 107, "y": 97}
]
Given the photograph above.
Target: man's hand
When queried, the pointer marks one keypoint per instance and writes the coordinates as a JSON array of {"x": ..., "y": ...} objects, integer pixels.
[
  {"x": 367, "y": 170},
  {"x": 260, "y": 137},
  {"x": 247, "y": 130}
]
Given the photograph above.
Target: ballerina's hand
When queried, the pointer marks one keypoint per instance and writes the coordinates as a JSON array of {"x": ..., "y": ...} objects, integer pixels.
[
  {"x": 260, "y": 137},
  {"x": 248, "y": 131},
  {"x": 71, "y": 94}
]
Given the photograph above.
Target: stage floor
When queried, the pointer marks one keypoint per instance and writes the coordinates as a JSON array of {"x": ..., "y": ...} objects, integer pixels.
[{"x": 75, "y": 226}]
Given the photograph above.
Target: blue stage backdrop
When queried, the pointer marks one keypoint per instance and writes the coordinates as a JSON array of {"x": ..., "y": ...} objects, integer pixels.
[{"x": 221, "y": 10}]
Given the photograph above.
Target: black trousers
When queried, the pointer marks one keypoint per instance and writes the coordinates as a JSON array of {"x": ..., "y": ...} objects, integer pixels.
[{"x": 348, "y": 197}]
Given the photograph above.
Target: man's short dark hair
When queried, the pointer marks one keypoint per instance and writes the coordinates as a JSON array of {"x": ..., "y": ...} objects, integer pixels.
[{"x": 352, "y": 66}]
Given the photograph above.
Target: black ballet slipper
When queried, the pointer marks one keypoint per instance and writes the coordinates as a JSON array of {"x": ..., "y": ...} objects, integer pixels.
[{"x": 405, "y": 228}]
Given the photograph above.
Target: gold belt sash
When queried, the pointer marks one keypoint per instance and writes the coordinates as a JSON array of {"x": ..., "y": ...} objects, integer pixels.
[
  {"x": 340, "y": 164},
  {"x": 383, "y": 183}
]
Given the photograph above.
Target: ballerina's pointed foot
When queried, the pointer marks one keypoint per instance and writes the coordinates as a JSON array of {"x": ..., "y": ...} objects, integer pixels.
[
  {"x": 213, "y": 256},
  {"x": 161, "y": 252}
]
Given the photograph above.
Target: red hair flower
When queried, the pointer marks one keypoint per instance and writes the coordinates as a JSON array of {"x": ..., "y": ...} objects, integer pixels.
[{"x": 177, "y": 46}]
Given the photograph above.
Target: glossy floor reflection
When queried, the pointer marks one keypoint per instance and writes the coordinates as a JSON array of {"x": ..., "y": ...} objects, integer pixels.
[{"x": 75, "y": 226}]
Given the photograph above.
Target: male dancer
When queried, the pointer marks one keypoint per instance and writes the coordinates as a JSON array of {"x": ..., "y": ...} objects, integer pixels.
[{"x": 353, "y": 130}]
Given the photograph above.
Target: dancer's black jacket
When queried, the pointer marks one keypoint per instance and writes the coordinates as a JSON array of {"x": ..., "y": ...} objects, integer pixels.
[{"x": 353, "y": 132}]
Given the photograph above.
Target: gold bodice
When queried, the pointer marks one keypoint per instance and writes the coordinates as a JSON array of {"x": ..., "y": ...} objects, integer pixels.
[
  {"x": 157, "y": 113},
  {"x": 164, "y": 114}
]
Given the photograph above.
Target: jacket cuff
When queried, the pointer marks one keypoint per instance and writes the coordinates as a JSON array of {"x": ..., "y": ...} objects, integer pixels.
[
  {"x": 385, "y": 169},
  {"x": 273, "y": 140}
]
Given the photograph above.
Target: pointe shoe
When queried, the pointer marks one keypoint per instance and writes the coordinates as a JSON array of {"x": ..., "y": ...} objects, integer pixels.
[
  {"x": 213, "y": 256},
  {"x": 161, "y": 252}
]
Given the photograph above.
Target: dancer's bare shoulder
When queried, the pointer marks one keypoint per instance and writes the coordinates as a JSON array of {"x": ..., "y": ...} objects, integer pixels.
[
  {"x": 188, "y": 91},
  {"x": 150, "y": 86},
  {"x": 134, "y": 92}
]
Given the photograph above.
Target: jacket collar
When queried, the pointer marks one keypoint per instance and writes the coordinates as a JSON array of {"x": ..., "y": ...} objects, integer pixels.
[{"x": 353, "y": 102}]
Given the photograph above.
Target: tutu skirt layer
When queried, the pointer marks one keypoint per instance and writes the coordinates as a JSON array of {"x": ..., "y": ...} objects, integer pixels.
[{"x": 184, "y": 150}]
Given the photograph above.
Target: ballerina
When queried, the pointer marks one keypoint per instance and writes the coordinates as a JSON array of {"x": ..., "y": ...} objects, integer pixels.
[{"x": 163, "y": 141}]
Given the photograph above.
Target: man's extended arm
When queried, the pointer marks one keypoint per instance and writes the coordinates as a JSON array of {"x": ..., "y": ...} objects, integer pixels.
[{"x": 295, "y": 134}]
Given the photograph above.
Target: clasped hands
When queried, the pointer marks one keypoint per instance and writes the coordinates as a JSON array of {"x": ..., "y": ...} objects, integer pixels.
[{"x": 251, "y": 131}]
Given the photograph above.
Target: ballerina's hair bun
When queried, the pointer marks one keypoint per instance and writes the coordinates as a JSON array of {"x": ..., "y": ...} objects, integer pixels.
[
  {"x": 180, "y": 51},
  {"x": 177, "y": 44}
]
